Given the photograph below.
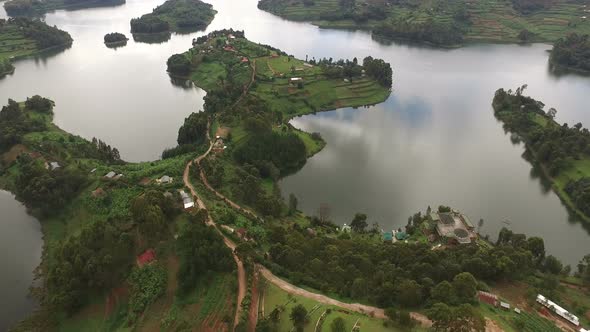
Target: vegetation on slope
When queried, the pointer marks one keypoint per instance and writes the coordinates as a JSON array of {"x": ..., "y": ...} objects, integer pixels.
[
  {"x": 572, "y": 52},
  {"x": 562, "y": 151},
  {"x": 22, "y": 37},
  {"x": 175, "y": 15},
  {"x": 253, "y": 90},
  {"x": 94, "y": 226},
  {"x": 443, "y": 22},
  {"x": 34, "y": 7}
]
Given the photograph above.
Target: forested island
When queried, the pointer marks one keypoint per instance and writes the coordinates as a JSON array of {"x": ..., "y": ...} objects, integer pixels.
[
  {"x": 35, "y": 7},
  {"x": 175, "y": 15},
  {"x": 115, "y": 39},
  {"x": 446, "y": 23},
  {"x": 22, "y": 37},
  {"x": 562, "y": 152},
  {"x": 572, "y": 53}
]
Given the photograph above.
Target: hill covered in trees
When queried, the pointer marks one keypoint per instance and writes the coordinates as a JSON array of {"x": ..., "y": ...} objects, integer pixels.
[
  {"x": 563, "y": 152},
  {"x": 572, "y": 52},
  {"x": 175, "y": 15},
  {"x": 34, "y": 7},
  {"x": 22, "y": 37},
  {"x": 444, "y": 23}
]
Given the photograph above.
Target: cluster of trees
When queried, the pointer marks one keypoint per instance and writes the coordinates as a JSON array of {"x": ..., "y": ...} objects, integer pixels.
[
  {"x": 43, "y": 190},
  {"x": 379, "y": 70},
  {"x": 572, "y": 52},
  {"x": 149, "y": 23},
  {"x": 218, "y": 33},
  {"x": 186, "y": 14},
  {"x": 45, "y": 36},
  {"x": 554, "y": 146},
  {"x": 104, "y": 152},
  {"x": 430, "y": 31},
  {"x": 28, "y": 7},
  {"x": 15, "y": 123},
  {"x": 179, "y": 64},
  {"x": 406, "y": 275},
  {"x": 94, "y": 260},
  {"x": 194, "y": 129},
  {"x": 201, "y": 251},
  {"x": 5, "y": 67},
  {"x": 151, "y": 212},
  {"x": 114, "y": 37}
]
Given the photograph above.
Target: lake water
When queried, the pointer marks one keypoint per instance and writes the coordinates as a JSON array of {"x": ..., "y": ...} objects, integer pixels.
[{"x": 434, "y": 141}]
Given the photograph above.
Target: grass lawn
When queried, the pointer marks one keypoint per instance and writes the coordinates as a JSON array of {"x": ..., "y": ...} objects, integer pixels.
[{"x": 275, "y": 297}]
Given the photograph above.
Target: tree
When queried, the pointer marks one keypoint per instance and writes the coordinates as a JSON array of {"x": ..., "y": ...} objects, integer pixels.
[
  {"x": 298, "y": 316},
  {"x": 443, "y": 292},
  {"x": 292, "y": 204},
  {"x": 465, "y": 287},
  {"x": 359, "y": 223},
  {"x": 536, "y": 246},
  {"x": 409, "y": 293},
  {"x": 179, "y": 64},
  {"x": 480, "y": 224},
  {"x": 338, "y": 325},
  {"x": 552, "y": 265}
]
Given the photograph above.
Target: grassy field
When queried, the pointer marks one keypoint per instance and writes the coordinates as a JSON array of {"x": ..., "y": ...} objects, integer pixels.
[
  {"x": 493, "y": 21},
  {"x": 275, "y": 297},
  {"x": 13, "y": 45}
]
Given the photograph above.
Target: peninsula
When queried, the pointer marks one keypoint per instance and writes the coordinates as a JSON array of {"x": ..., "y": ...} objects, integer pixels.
[
  {"x": 22, "y": 37},
  {"x": 443, "y": 23},
  {"x": 562, "y": 152},
  {"x": 37, "y": 8},
  {"x": 176, "y": 16}
]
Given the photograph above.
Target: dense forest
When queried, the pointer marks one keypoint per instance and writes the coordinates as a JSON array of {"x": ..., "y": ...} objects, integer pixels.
[
  {"x": 572, "y": 52},
  {"x": 558, "y": 148},
  {"x": 407, "y": 275},
  {"x": 175, "y": 15},
  {"x": 32, "y": 7}
]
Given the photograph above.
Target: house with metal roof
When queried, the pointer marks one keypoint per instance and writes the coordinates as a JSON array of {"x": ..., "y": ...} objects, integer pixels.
[
  {"x": 187, "y": 201},
  {"x": 387, "y": 237}
]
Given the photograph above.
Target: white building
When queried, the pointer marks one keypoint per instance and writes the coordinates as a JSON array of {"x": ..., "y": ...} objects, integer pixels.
[
  {"x": 558, "y": 310},
  {"x": 187, "y": 201}
]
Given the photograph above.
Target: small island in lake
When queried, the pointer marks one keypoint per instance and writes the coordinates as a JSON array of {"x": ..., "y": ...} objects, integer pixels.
[
  {"x": 562, "y": 152},
  {"x": 443, "y": 23},
  {"x": 34, "y": 7},
  {"x": 175, "y": 15},
  {"x": 22, "y": 37},
  {"x": 572, "y": 53},
  {"x": 114, "y": 39}
]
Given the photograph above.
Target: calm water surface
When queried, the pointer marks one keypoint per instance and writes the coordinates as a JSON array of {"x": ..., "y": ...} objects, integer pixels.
[{"x": 434, "y": 141}]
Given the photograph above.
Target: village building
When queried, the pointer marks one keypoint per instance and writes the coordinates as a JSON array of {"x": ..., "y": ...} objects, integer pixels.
[
  {"x": 110, "y": 175},
  {"x": 187, "y": 201},
  {"x": 147, "y": 257},
  {"x": 489, "y": 298},
  {"x": 388, "y": 237},
  {"x": 165, "y": 179},
  {"x": 400, "y": 235},
  {"x": 54, "y": 165},
  {"x": 243, "y": 234},
  {"x": 295, "y": 80},
  {"x": 504, "y": 305}
]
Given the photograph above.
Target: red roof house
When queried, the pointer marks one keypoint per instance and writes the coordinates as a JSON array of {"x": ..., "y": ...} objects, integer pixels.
[
  {"x": 147, "y": 257},
  {"x": 488, "y": 298}
]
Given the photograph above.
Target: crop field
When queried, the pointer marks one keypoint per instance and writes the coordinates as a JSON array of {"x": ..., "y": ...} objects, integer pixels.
[{"x": 14, "y": 44}]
